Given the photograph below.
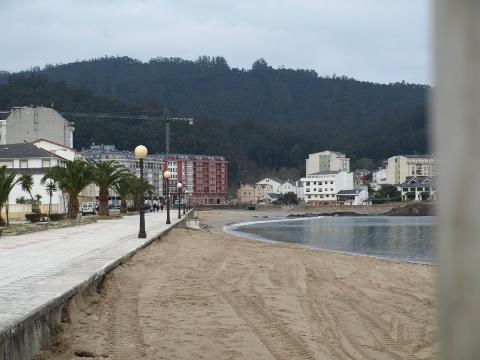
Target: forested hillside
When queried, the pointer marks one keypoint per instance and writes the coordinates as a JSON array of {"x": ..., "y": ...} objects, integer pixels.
[{"x": 264, "y": 120}]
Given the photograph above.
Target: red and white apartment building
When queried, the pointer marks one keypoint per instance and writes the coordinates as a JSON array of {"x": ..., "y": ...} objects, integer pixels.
[{"x": 205, "y": 177}]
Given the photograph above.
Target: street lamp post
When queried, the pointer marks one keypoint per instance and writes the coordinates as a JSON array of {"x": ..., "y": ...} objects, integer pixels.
[
  {"x": 166, "y": 177},
  {"x": 140, "y": 153},
  {"x": 179, "y": 187}
]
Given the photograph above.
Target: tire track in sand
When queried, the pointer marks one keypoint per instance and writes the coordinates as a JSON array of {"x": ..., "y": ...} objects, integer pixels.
[{"x": 125, "y": 337}]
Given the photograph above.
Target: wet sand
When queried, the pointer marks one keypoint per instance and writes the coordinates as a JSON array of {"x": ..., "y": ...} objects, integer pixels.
[{"x": 203, "y": 294}]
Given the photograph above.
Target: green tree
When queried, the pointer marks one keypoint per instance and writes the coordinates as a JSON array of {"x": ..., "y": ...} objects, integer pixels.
[
  {"x": 72, "y": 179},
  {"x": 288, "y": 199},
  {"x": 125, "y": 188},
  {"x": 50, "y": 188},
  {"x": 136, "y": 190},
  {"x": 7, "y": 182},
  {"x": 389, "y": 192},
  {"x": 26, "y": 182},
  {"x": 106, "y": 174}
]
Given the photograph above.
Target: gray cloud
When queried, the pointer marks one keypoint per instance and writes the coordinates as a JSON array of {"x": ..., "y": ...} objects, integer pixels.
[{"x": 367, "y": 39}]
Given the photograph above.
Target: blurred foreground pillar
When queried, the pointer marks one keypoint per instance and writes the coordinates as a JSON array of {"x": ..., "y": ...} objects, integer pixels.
[{"x": 456, "y": 129}]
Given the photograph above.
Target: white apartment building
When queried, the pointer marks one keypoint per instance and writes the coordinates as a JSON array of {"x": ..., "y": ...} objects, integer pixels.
[
  {"x": 31, "y": 123},
  {"x": 401, "y": 167},
  {"x": 321, "y": 188},
  {"x": 327, "y": 161}
]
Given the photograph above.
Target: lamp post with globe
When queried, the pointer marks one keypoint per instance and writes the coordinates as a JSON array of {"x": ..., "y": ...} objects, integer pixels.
[
  {"x": 166, "y": 178},
  {"x": 140, "y": 153}
]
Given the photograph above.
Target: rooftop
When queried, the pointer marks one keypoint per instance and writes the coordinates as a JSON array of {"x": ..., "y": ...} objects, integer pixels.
[
  {"x": 4, "y": 114},
  {"x": 325, "y": 172},
  {"x": 349, "y": 192},
  {"x": 23, "y": 150},
  {"x": 97, "y": 150}
]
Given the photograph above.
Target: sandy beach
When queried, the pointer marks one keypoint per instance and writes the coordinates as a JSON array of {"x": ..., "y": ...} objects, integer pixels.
[{"x": 204, "y": 294}]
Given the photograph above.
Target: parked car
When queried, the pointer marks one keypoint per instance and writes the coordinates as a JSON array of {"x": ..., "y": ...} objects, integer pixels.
[{"x": 89, "y": 208}]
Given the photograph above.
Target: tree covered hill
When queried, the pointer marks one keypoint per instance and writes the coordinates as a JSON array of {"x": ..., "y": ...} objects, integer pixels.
[{"x": 264, "y": 120}]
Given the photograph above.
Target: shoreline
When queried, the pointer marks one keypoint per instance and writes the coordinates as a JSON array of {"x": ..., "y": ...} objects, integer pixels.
[{"x": 256, "y": 219}]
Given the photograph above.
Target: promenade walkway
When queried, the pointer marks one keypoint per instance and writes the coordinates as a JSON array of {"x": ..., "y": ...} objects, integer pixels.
[{"x": 39, "y": 269}]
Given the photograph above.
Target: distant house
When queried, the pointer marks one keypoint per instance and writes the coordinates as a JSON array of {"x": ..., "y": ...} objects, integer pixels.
[
  {"x": 379, "y": 178},
  {"x": 270, "y": 198},
  {"x": 419, "y": 189},
  {"x": 321, "y": 188},
  {"x": 362, "y": 176},
  {"x": 287, "y": 187},
  {"x": 246, "y": 194},
  {"x": 269, "y": 183},
  {"x": 352, "y": 197}
]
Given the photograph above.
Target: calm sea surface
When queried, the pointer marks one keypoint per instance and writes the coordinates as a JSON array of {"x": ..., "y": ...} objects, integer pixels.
[{"x": 402, "y": 238}]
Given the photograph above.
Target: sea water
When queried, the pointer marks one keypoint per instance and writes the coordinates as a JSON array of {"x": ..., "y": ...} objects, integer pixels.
[{"x": 409, "y": 238}]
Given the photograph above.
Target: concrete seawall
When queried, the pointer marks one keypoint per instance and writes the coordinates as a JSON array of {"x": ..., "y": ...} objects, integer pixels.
[{"x": 22, "y": 336}]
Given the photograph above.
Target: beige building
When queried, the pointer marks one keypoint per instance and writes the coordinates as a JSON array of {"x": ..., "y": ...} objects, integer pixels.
[
  {"x": 327, "y": 161},
  {"x": 253, "y": 194},
  {"x": 246, "y": 194},
  {"x": 28, "y": 124},
  {"x": 401, "y": 167}
]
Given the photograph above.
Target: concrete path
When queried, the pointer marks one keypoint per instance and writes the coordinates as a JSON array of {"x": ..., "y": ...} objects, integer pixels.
[{"x": 40, "y": 269}]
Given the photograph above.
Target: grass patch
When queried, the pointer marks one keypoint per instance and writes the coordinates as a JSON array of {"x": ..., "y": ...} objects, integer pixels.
[{"x": 18, "y": 229}]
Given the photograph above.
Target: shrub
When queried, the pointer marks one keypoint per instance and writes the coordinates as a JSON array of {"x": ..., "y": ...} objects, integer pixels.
[
  {"x": 57, "y": 217},
  {"x": 34, "y": 217},
  {"x": 132, "y": 209}
]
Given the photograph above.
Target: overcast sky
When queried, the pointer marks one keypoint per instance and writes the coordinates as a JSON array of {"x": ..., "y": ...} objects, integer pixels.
[{"x": 374, "y": 40}]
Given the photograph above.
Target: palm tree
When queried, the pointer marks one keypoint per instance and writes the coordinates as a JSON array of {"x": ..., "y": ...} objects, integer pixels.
[
  {"x": 147, "y": 187},
  {"x": 72, "y": 179},
  {"x": 106, "y": 174},
  {"x": 50, "y": 188},
  {"x": 7, "y": 182},
  {"x": 26, "y": 181},
  {"x": 125, "y": 188}
]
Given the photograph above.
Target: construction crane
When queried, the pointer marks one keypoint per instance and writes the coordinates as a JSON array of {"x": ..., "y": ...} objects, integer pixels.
[{"x": 165, "y": 118}]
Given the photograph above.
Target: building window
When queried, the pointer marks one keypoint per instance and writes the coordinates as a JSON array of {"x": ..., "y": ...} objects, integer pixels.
[
  {"x": 8, "y": 164},
  {"x": 46, "y": 163},
  {"x": 23, "y": 164}
]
